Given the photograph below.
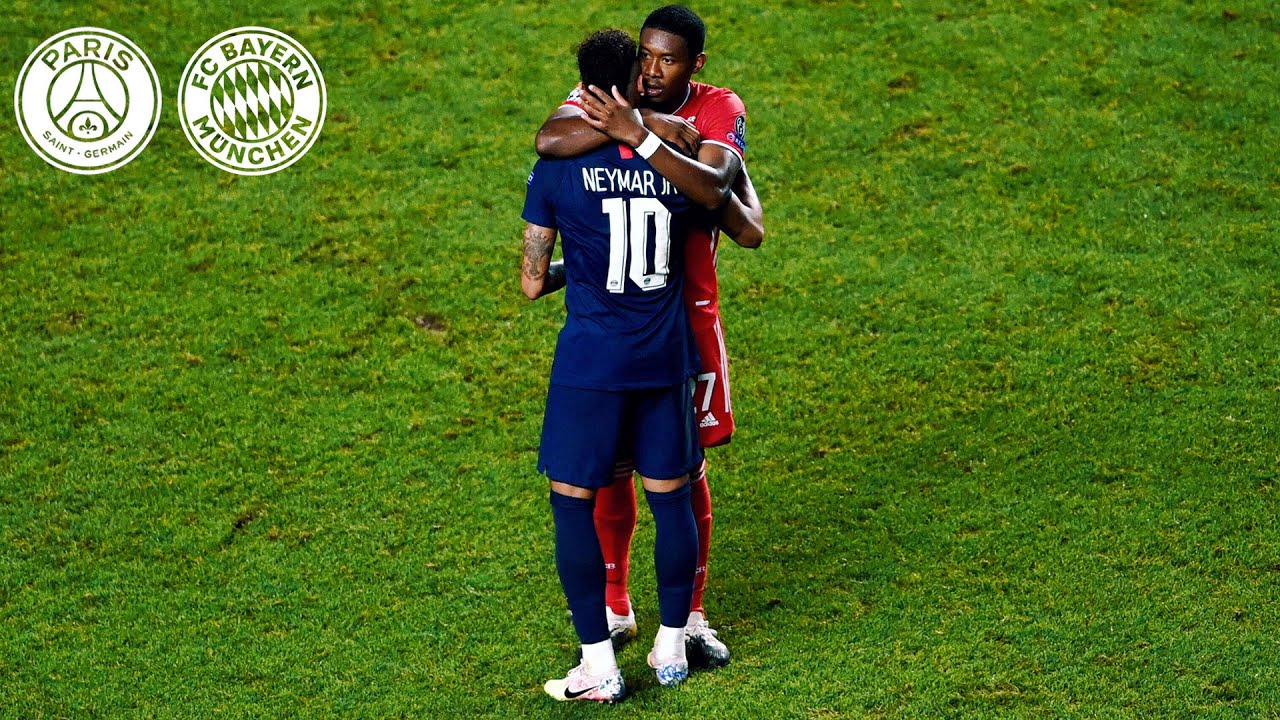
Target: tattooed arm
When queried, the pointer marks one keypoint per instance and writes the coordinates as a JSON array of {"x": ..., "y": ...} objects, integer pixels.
[{"x": 538, "y": 275}]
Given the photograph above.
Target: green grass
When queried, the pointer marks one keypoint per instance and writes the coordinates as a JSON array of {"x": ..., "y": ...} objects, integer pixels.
[{"x": 1006, "y": 371}]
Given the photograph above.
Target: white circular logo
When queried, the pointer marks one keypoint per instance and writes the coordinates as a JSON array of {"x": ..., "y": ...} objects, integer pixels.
[
  {"x": 252, "y": 101},
  {"x": 87, "y": 100}
]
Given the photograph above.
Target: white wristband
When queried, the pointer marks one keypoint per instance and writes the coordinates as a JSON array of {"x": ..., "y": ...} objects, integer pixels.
[{"x": 650, "y": 146}]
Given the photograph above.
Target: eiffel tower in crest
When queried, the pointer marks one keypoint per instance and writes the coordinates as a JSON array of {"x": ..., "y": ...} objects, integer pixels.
[{"x": 88, "y": 107}]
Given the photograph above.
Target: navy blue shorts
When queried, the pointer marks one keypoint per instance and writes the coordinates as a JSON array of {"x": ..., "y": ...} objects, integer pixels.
[{"x": 585, "y": 431}]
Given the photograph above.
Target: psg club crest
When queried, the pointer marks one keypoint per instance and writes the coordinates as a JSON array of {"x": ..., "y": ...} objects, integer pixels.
[
  {"x": 87, "y": 100},
  {"x": 252, "y": 101}
]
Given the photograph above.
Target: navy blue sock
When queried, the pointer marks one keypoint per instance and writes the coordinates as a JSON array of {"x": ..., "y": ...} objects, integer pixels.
[
  {"x": 581, "y": 565},
  {"x": 675, "y": 553}
]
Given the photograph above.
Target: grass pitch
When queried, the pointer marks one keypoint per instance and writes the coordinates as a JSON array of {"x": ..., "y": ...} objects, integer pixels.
[{"x": 1006, "y": 371}]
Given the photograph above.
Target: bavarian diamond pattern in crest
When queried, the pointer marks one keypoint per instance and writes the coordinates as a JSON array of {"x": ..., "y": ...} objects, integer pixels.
[{"x": 251, "y": 101}]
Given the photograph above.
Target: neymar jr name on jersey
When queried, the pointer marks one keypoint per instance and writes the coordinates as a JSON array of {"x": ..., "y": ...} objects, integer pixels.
[{"x": 620, "y": 180}]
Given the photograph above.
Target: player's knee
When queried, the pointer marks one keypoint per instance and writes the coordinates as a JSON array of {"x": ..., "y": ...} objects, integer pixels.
[
  {"x": 664, "y": 486},
  {"x": 573, "y": 491}
]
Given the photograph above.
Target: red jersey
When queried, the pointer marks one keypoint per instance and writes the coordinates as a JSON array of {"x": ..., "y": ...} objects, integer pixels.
[{"x": 720, "y": 118}]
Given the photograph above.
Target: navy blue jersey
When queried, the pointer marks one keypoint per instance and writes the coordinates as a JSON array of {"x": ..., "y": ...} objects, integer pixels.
[{"x": 623, "y": 229}]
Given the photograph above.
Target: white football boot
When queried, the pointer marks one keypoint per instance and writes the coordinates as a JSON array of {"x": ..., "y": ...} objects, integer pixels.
[
  {"x": 582, "y": 685},
  {"x": 622, "y": 628},
  {"x": 671, "y": 671},
  {"x": 702, "y": 647}
]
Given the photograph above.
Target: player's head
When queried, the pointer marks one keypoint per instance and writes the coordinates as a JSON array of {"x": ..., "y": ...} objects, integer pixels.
[
  {"x": 607, "y": 58},
  {"x": 671, "y": 42}
]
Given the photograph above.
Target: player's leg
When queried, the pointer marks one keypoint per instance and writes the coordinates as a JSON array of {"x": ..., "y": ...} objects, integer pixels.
[
  {"x": 615, "y": 518},
  {"x": 700, "y": 498},
  {"x": 579, "y": 441},
  {"x": 702, "y": 644},
  {"x": 714, "y": 412},
  {"x": 675, "y": 552},
  {"x": 666, "y": 448}
]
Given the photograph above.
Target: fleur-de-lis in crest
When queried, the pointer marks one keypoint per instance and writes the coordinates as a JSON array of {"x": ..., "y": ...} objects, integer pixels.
[{"x": 88, "y": 128}]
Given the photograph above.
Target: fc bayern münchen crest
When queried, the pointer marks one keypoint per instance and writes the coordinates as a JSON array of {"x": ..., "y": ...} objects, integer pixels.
[
  {"x": 252, "y": 101},
  {"x": 87, "y": 100}
]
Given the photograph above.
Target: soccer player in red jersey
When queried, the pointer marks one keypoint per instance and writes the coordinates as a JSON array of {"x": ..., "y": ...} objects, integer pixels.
[{"x": 711, "y": 122}]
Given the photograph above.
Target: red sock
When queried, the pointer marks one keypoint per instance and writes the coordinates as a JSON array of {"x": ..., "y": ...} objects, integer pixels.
[
  {"x": 701, "y": 497},
  {"x": 615, "y": 518}
]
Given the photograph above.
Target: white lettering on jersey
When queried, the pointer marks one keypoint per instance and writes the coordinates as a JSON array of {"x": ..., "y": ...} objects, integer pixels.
[{"x": 617, "y": 180}]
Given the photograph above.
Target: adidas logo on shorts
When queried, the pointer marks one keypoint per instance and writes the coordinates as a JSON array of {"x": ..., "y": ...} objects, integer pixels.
[{"x": 709, "y": 421}]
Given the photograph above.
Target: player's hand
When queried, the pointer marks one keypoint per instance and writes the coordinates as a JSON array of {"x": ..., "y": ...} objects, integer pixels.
[
  {"x": 675, "y": 130},
  {"x": 613, "y": 116}
]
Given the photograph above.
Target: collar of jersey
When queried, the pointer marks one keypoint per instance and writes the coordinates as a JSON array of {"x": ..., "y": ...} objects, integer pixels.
[{"x": 687, "y": 93}]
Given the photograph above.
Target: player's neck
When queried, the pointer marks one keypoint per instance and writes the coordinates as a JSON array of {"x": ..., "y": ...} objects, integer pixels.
[{"x": 675, "y": 104}]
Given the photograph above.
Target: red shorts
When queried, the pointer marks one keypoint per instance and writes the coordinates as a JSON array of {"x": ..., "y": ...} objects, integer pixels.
[{"x": 712, "y": 405}]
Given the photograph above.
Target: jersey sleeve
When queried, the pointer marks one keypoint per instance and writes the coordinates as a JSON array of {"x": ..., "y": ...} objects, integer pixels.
[
  {"x": 538, "y": 194},
  {"x": 724, "y": 122},
  {"x": 575, "y": 100}
]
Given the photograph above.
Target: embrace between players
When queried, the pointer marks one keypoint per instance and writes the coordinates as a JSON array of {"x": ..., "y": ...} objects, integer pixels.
[{"x": 640, "y": 381}]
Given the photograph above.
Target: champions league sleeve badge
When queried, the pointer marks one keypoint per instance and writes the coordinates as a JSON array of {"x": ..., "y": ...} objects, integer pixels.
[
  {"x": 252, "y": 101},
  {"x": 738, "y": 136},
  {"x": 87, "y": 101}
]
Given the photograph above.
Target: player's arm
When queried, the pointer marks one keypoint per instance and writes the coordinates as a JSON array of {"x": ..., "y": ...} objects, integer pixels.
[
  {"x": 743, "y": 216},
  {"x": 566, "y": 133},
  {"x": 538, "y": 275},
  {"x": 707, "y": 181}
]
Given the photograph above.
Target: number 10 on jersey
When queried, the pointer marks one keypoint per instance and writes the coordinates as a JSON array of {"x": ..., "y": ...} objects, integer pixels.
[{"x": 629, "y": 242}]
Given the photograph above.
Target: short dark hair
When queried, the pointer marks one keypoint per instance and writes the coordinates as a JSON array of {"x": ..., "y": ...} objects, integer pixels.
[
  {"x": 679, "y": 20},
  {"x": 605, "y": 59}
]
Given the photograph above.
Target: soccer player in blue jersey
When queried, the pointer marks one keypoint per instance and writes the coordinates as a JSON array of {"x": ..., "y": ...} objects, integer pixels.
[
  {"x": 620, "y": 380},
  {"x": 709, "y": 124}
]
